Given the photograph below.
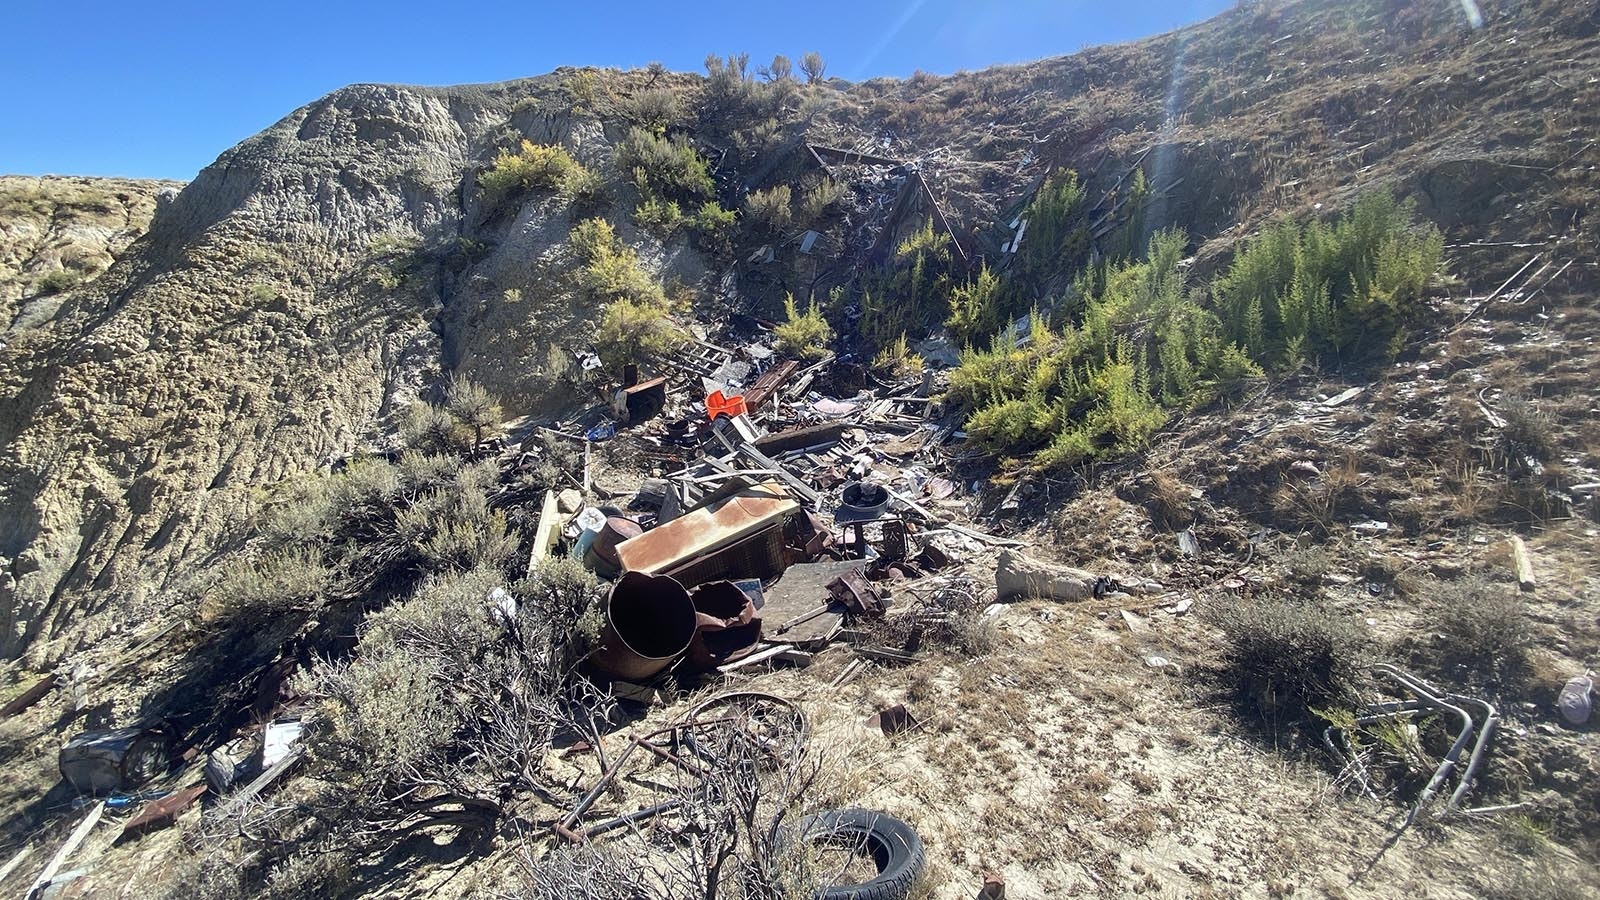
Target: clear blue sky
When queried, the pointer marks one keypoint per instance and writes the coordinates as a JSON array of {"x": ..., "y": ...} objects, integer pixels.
[{"x": 158, "y": 88}]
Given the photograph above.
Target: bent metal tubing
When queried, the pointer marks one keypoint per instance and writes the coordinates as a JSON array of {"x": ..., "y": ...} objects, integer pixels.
[
  {"x": 1429, "y": 696},
  {"x": 1349, "y": 758},
  {"x": 1491, "y": 718}
]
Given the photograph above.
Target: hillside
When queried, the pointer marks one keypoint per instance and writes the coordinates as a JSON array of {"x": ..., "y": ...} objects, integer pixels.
[
  {"x": 280, "y": 315},
  {"x": 56, "y": 232}
]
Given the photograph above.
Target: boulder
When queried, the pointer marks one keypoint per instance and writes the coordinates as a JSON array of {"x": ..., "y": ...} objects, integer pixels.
[{"x": 1019, "y": 577}]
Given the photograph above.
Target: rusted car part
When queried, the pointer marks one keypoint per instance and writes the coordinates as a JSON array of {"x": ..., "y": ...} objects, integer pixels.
[
  {"x": 793, "y": 603},
  {"x": 163, "y": 812},
  {"x": 650, "y": 622},
  {"x": 801, "y": 438},
  {"x": 849, "y": 592},
  {"x": 861, "y": 596},
  {"x": 727, "y": 625},
  {"x": 1426, "y": 698},
  {"x": 741, "y": 535},
  {"x": 774, "y": 725},
  {"x": 96, "y": 762}
]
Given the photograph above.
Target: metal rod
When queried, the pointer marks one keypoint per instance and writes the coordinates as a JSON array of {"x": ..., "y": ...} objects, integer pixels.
[
  {"x": 588, "y": 800},
  {"x": 1428, "y": 696},
  {"x": 636, "y": 816}
]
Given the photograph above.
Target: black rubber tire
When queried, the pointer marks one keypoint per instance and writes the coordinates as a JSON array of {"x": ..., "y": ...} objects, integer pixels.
[{"x": 894, "y": 845}]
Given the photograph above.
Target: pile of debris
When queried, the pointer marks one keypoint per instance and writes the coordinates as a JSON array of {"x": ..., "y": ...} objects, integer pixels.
[{"x": 780, "y": 518}]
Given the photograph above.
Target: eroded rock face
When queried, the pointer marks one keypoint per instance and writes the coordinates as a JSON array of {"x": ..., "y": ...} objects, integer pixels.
[
  {"x": 57, "y": 232},
  {"x": 246, "y": 338}
]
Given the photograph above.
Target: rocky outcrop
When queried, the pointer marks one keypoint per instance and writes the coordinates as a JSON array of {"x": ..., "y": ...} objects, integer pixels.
[
  {"x": 243, "y": 340},
  {"x": 58, "y": 232}
]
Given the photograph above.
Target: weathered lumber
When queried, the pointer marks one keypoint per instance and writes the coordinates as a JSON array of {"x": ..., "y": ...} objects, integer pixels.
[
  {"x": 73, "y": 841},
  {"x": 1523, "y": 561},
  {"x": 29, "y": 697}
]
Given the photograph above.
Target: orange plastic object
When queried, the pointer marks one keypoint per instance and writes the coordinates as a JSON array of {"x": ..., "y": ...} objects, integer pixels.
[{"x": 718, "y": 405}]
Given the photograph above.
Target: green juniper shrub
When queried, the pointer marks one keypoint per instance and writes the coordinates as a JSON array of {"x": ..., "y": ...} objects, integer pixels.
[
  {"x": 804, "y": 335},
  {"x": 713, "y": 227},
  {"x": 821, "y": 198},
  {"x": 1304, "y": 291}
]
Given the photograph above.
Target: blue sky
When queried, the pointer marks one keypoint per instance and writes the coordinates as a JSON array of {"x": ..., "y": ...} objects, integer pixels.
[{"x": 158, "y": 89}]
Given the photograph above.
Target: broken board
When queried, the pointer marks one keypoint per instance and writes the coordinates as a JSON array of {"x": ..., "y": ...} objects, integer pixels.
[{"x": 803, "y": 588}]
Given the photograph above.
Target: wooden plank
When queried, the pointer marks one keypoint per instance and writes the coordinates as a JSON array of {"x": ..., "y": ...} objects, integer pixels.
[
  {"x": 752, "y": 659},
  {"x": 1524, "y": 564},
  {"x": 789, "y": 478},
  {"x": 848, "y": 670},
  {"x": 889, "y": 654},
  {"x": 267, "y": 778},
  {"x": 549, "y": 528},
  {"x": 801, "y": 438},
  {"x": 76, "y": 838},
  {"x": 798, "y": 658},
  {"x": 17, "y": 860},
  {"x": 1342, "y": 397},
  {"x": 770, "y": 382},
  {"x": 29, "y": 697}
]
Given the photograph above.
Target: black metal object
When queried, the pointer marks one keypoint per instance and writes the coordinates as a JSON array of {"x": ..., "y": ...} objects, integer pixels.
[{"x": 861, "y": 501}]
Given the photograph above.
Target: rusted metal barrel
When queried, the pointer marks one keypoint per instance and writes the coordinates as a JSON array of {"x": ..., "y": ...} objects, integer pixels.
[
  {"x": 729, "y": 625},
  {"x": 601, "y": 557},
  {"x": 649, "y": 624}
]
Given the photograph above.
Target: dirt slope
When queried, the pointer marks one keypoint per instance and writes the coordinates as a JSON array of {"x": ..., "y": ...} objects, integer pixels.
[
  {"x": 75, "y": 227},
  {"x": 267, "y": 324}
]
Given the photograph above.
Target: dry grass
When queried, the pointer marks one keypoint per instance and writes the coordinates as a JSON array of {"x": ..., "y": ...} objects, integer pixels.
[
  {"x": 1286, "y": 657},
  {"x": 1484, "y": 624}
]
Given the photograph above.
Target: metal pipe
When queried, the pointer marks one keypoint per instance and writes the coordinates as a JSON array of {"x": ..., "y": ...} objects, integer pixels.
[
  {"x": 1428, "y": 696},
  {"x": 635, "y": 816},
  {"x": 1490, "y": 720},
  {"x": 1352, "y": 762},
  {"x": 564, "y": 826}
]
